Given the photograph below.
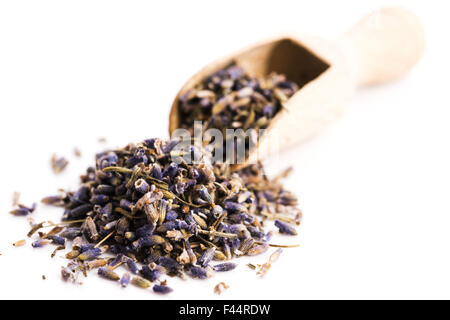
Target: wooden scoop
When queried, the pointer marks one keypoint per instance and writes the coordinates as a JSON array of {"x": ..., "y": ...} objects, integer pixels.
[{"x": 381, "y": 47}]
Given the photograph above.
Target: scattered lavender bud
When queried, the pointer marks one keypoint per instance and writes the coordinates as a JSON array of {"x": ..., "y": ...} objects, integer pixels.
[
  {"x": 70, "y": 233},
  {"x": 108, "y": 274},
  {"x": 199, "y": 272},
  {"x": 97, "y": 263},
  {"x": 132, "y": 266},
  {"x": 90, "y": 254},
  {"x": 150, "y": 274},
  {"x": 23, "y": 210},
  {"x": 141, "y": 186},
  {"x": 161, "y": 289},
  {"x": 125, "y": 280},
  {"x": 141, "y": 282},
  {"x": 57, "y": 240},
  {"x": 285, "y": 228},
  {"x": 58, "y": 164},
  {"x": 39, "y": 243},
  {"x": 227, "y": 266},
  {"x": 206, "y": 257},
  {"x": 117, "y": 261}
]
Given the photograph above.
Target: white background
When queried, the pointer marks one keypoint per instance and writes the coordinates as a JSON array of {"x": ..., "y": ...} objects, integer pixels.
[{"x": 374, "y": 186}]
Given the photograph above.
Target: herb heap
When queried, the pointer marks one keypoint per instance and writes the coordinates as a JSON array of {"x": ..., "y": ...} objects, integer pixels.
[
  {"x": 176, "y": 219},
  {"x": 231, "y": 98}
]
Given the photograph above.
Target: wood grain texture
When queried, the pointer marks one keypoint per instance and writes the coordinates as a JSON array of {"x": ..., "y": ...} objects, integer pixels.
[{"x": 384, "y": 45}]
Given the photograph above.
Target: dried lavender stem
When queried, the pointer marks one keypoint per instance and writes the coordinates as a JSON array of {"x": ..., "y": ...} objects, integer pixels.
[
  {"x": 278, "y": 216},
  {"x": 279, "y": 245},
  {"x": 104, "y": 239},
  {"x": 217, "y": 234},
  {"x": 159, "y": 183},
  {"x": 51, "y": 224},
  {"x": 124, "y": 213}
]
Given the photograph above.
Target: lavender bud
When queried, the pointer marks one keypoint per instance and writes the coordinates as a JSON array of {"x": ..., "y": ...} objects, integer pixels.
[
  {"x": 125, "y": 280},
  {"x": 141, "y": 186},
  {"x": 227, "y": 266},
  {"x": 258, "y": 249},
  {"x": 149, "y": 274},
  {"x": 57, "y": 240},
  {"x": 199, "y": 272},
  {"x": 79, "y": 212},
  {"x": 39, "y": 243},
  {"x": 70, "y": 233},
  {"x": 100, "y": 199},
  {"x": 285, "y": 228},
  {"x": 90, "y": 254},
  {"x": 156, "y": 172},
  {"x": 108, "y": 274},
  {"x": 132, "y": 266},
  {"x": 206, "y": 257},
  {"x": 235, "y": 207},
  {"x": 170, "y": 264},
  {"x": 141, "y": 282},
  {"x": 161, "y": 289}
]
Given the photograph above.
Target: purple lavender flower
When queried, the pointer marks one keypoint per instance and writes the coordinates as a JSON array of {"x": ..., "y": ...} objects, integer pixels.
[
  {"x": 204, "y": 194},
  {"x": 171, "y": 215},
  {"x": 156, "y": 172},
  {"x": 125, "y": 280},
  {"x": 227, "y": 266},
  {"x": 167, "y": 226},
  {"x": 171, "y": 170},
  {"x": 79, "y": 212},
  {"x": 206, "y": 257},
  {"x": 199, "y": 272},
  {"x": 100, "y": 199},
  {"x": 174, "y": 217},
  {"x": 108, "y": 274},
  {"x": 269, "y": 110},
  {"x": 117, "y": 261},
  {"x": 86, "y": 246},
  {"x": 70, "y": 233},
  {"x": 57, "y": 240},
  {"x": 23, "y": 210},
  {"x": 170, "y": 145},
  {"x": 20, "y": 212},
  {"x": 235, "y": 207},
  {"x": 161, "y": 289},
  {"x": 285, "y": 228},
  {"x": 170, "y": 264},
  {"x": 125, "y": 204},
  {"x": 90, "y": 254},
  {"x": 132, "y": 266},
  {"x": 39, "y": 243},
  {"x": 141, "y": 186},
  {"x": 105, "y": 160},
  {"x": 82, "y": 195},
  {"x": 139, "y": 157},
  {"x": 104, "y": 189},
  {"x": 150, "y": 274}
]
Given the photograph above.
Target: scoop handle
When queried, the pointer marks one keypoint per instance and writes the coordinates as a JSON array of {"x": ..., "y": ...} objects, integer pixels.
[{"x": 384, "y": 45}]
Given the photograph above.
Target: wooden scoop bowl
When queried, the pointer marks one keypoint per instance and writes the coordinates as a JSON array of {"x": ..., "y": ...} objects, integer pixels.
[{"x": 381, "y": 47}]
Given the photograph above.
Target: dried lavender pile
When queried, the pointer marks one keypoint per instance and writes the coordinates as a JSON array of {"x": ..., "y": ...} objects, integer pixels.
[
  {"x": 138, "y": 209},
  {"x": 231, "y": 98}
]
